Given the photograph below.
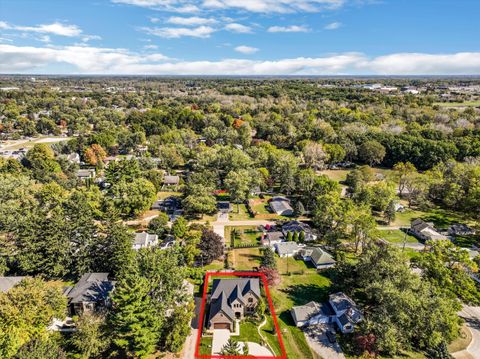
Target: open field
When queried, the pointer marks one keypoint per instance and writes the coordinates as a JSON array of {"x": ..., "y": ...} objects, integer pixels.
[{"x": 458, "y": 104}]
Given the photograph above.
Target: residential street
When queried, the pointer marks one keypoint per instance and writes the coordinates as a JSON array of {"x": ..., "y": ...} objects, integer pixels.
[{"x": 472, "y": 319}]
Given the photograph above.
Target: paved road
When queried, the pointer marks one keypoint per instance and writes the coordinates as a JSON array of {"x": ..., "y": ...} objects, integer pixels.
[{"x": 472, "y": 319}]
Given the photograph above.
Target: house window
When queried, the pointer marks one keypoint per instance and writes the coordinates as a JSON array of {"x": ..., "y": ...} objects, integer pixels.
[{"x": 250, "y": 300}]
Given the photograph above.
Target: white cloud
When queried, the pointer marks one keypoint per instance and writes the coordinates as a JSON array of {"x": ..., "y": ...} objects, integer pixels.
[
  {"x": 260, "y": 6},
  {"x": 278, "y": 6},
  {"x": 150, "y": 47},
  {"x": 242, "y": 29},
  {"x": 176, "y": 32},
  {"x": 191, "y": 21},
  {"x": 291, "y": 28},
  {"x": 333, "y": 26},
  {"x": 93, "y": 60},
  {"x": 168, "y": 5},
  {"x": 246, "y": 49},
  {"x": 55, "y": 28},
  {"x": 87, "y": 38}
]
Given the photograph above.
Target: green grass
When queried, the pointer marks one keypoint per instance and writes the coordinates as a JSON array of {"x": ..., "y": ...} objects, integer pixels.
[
  {"x": 441, "y": 218},
  {"x": 249, "y": 332},
  {"x": 467, "y": 241},
  {"x": 336, "y": 175},
  {"x": 301, "y": 286},
  {"x": 268, "y": 332},
  {"x": 239, "y": 213},
  {"x": 245, "y": 258},
  {"x": 458, "y": 104},
  {"x": 397, "y": 236},
  {"x": 244, "y": 236},
  {"x": 206, "y": 345}
]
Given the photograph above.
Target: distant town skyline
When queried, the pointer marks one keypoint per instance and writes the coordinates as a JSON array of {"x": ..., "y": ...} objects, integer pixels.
[{"x": 248, "y": 37}]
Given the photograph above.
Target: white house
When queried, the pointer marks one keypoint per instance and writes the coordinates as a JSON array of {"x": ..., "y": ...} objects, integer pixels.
[
  {"x": 287, "y": 249},
  {"x": 144, "y": 240},
  {"x": 346, "y": 312}
]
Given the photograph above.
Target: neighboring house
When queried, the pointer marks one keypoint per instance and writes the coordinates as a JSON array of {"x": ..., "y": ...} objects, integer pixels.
[
  {"x": 460, "y": 230},
  {"x": 318, "y": 257},
  {"x": 297, "y": 226},
  {"x": 346, "y": 312},
  {"x": 340, "y": 309},
  {"x": 171, "y": 181},
  {"x": 73, "y": 158},
  {"x": 425, "y": 231},
  {"x": 171, "y": 206},
  {"x": 287, "y": 249},
  {"x": 144, "y": 240},
  {"x": 281, "y": 206},
  {"x": 7, "y": 283},
  {"x": 91, "y": 293},
  {"x": 272, "y": 238},
  {"x": 224, "y": 206},
  {"x": 84, "y": 174},
  {"x": 231, "y": 300},
  {"x": 312, "y": 312}
]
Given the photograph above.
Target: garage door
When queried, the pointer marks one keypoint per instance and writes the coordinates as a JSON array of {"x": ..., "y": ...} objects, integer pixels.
[{"x": 221, "y": 326}]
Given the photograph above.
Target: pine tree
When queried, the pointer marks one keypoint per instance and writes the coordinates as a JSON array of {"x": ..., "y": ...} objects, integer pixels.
[
  {"x": 301, "y": 237},
  {"x": 133, "y": 319},
  {"x": 390, "y": 212},
  {"x": 231, "y": 347},
  {"x": 289, "y": 236},
  {"x": 438, "y": 352},
  {"x": 268, "y": 259},
  {"x": 295, "y": 236}
]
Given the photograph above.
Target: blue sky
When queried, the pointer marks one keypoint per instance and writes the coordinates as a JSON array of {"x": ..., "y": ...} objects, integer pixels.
[{"x": 243, "y": 37}]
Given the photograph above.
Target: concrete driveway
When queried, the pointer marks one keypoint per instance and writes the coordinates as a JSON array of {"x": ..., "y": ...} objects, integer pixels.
[
  {"x": 472, "y": 320},
  {"x": 319, "y": 343},
  {"x": 220, "y": 338}
]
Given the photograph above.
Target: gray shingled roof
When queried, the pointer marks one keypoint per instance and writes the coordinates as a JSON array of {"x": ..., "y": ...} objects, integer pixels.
[
  {"x": 285, "y": 248},
  {"x": 341, "y": 301},
  {"x": 279, "y": 205},
  {"x": 92, "y": 287},
  {"x": 302, "y": 313},
  {"x": 224, "y": 291},
  {"x": 171, "y": 179},
  {"x": 319, "y": 256},
  {"x": 7, "y": 283}
]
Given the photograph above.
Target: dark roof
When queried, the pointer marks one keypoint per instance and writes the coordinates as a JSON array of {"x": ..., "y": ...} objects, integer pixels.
[
  {"x": 7, "y": 283},
  {"x": 343, "y": 319},
  {"x": 280, "y": 204},
  {"x": 296, "y": 226},
  {"x": 220, "y": 305},
  {"x": 92, "y": 287},
  {"x": 227, "y": 286},
  {"x": 341, "y": 301}
]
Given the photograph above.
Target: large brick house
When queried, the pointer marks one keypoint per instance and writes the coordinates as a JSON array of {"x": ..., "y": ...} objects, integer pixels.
[{"x": 232, "y": 299}]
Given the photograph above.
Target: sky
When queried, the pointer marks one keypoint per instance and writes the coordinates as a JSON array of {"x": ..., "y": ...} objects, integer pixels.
[{"x": 240, "y": 37}]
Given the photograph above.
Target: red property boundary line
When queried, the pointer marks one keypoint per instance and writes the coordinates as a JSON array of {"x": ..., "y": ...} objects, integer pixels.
[{"x": 270, "y": 305}]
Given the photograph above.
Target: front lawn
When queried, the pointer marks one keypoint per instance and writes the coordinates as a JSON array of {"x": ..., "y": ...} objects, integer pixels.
[
  {"x": 397, "y": 236},
  {"x": 248, "y": 332},
  {"x": 205, "y": 345},
  {"x": 239, "y": 213}
]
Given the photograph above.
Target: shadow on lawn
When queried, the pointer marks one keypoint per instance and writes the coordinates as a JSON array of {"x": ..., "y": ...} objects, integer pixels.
[{"x": 303, "y": 293}]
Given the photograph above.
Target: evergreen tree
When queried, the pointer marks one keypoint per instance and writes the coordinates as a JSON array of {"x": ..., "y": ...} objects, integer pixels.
[
  {"x": 438, "y": 352},
  {"x": 301, "y": 237},
  {"x": 289, "y": 236},
  {"x": 231, "y": 347},
  {"x": 90, "y": 339},
  {"x": 295, "y": 236},
  {"x": 179, "y": 227},
  {"x": 268, "y": 259},
  {"x": 133, "y": 319},
  {"x": 390, "y": 212}
]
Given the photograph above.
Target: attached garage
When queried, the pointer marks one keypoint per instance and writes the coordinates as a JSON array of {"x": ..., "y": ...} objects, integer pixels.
[{"x": 221, "y": 326}]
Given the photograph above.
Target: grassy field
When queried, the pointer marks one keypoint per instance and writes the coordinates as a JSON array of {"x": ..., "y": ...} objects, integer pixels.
[
  {"x": 166, "y": 194},
  {"x": 244, "y": 237},
  {"x": 458, "y": 104},
  {"x": 462, "y": 341},
  {"x": 397, "y": 236},
  {"x": 239, "y": 213},
  {"x": 245, "y": 258}
]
